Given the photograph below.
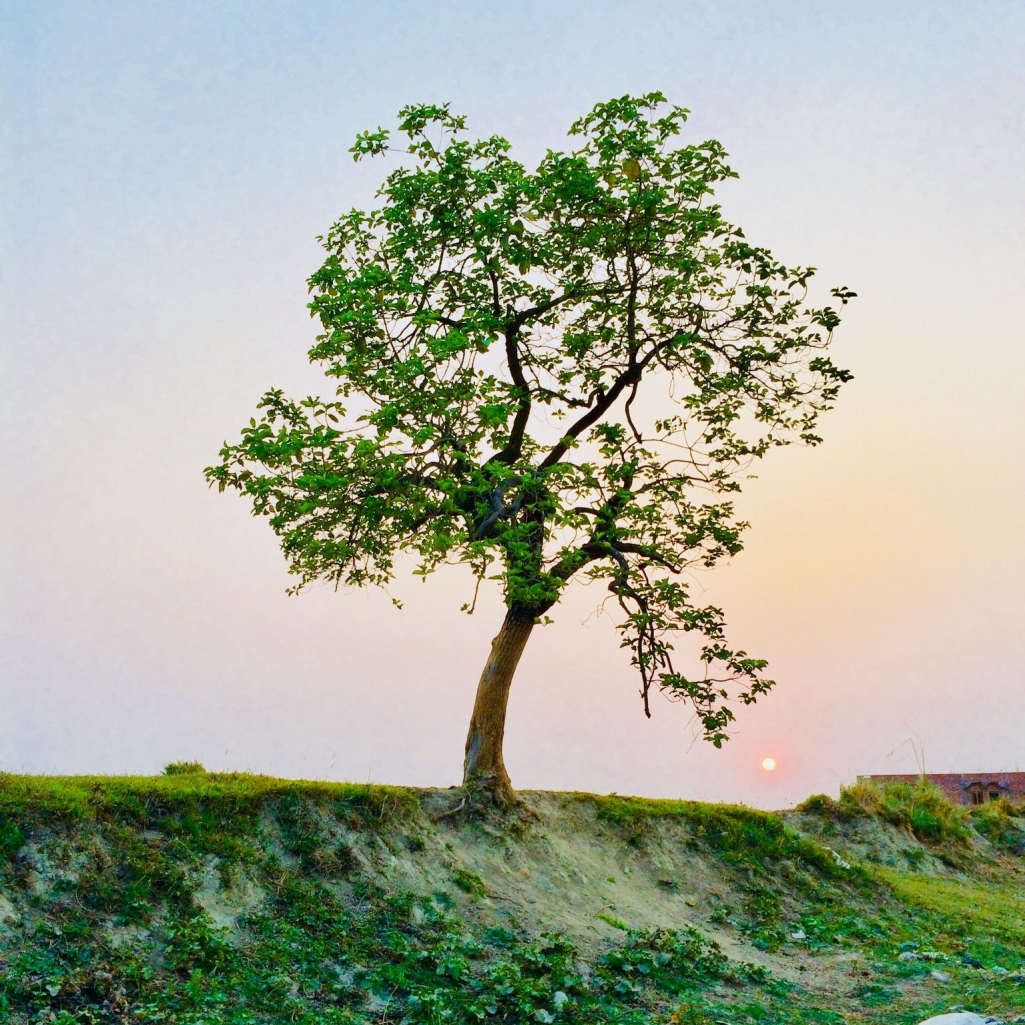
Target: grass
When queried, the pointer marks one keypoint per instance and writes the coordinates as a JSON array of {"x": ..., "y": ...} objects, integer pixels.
[
  {"x": 967, "y": 907},
  {"x": 920, "y": 808},
  {"x": 191, "y": 804},
  {"x": 740, "y": 835},
  {"x": 1002, "y": 823},
  {"x": 115, "y": 933},
  {"x": 307, "y": 958}
]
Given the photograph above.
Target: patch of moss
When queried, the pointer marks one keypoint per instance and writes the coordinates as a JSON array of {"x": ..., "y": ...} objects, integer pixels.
[{"x": 469, "y": 882}]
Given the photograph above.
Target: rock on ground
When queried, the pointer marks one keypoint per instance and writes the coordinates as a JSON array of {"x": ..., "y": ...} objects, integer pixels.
[{"x": 959, "y": 1018}]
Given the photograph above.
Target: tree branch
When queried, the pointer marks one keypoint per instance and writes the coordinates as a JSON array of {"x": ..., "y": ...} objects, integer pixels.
[
  {"x": 512, "y": 354},
  {"x": 596, "y": 412}
]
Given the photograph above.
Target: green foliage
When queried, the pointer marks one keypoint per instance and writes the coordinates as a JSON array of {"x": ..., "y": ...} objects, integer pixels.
[
  {"x": 738, "y": 834},
  {"x": 1001, "y": 822},
  {"x": 116, "y": 933},
  {"x": 469, "y": 882},
  {"x": 392, "y": 956},
  {"x": 183, "y": 768},
  {"x": 487, "y": 330},
  {"x": 11, "y": 838},
  {"x": 820, "y": 804},
  {"x": 967, "y": 907},
  {"x": 191, "y": 805},
  {"x": 921, "y": 808},
  {"x": 764, "y": 924}
]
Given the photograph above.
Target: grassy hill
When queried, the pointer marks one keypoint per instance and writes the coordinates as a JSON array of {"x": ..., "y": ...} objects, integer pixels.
[{"x": 208, "y": 898}]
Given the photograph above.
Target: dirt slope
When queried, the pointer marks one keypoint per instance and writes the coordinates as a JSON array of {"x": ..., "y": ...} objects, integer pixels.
[{"x": 203, "y": 898}]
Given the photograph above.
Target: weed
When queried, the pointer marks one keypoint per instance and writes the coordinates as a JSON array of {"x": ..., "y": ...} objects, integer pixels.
[
  {"x": 469, "y": 882},
  {"x": 184, "y": 769}
]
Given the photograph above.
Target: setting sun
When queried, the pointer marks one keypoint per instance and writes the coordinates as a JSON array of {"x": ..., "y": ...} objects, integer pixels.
[{"x": 769, "y": 764}]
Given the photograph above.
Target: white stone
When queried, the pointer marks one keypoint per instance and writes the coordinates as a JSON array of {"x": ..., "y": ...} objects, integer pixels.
[{"x": 960, "y": 1018}]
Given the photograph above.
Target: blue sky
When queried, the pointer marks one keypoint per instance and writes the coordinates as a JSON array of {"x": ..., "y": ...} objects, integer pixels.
[{"x": 168, "y": 167}]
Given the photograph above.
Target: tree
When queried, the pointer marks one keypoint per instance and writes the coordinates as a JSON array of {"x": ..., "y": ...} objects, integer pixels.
[{"x": 546, "y": 375}]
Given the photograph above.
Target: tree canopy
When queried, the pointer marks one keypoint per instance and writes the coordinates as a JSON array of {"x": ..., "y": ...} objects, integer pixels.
[{"x": 548, "y": 375}]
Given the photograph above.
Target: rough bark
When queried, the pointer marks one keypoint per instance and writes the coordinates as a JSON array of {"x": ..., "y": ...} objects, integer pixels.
[{"x": 483, "y": 767}]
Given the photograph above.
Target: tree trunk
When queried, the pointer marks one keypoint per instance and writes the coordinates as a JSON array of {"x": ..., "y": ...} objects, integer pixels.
[{"x": 483, "y": 765}]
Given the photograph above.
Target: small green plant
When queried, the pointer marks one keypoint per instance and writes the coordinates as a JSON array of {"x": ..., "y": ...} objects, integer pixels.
[
  {"x": 469, "y": 882},
  {"x": 11, "y": 839},
  {"x": 822, "y": 805},
  {"x": 764, "y": 925}
]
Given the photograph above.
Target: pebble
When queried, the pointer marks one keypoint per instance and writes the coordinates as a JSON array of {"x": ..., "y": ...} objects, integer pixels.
[
  {"x": 909, "y": 955},
  {"x": 940, "y": 976}
]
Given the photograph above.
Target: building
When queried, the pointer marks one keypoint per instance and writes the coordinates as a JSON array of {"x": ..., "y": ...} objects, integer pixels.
[{"x": 965, "y": 788}]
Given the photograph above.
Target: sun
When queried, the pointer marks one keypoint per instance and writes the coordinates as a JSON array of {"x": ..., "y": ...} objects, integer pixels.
[{"x": 768, "y": 764}]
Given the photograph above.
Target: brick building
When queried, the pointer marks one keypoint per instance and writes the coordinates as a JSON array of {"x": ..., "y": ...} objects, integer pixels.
[{"x": 966, "y": 788}]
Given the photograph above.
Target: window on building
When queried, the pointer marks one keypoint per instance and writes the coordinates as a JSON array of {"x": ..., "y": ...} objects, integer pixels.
[
  {"x": 994, "y": 795},
  {"x": 976, "y": 795}
]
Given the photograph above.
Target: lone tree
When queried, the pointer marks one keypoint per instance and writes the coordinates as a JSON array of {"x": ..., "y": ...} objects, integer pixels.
[{"x": 546, "y": 375}]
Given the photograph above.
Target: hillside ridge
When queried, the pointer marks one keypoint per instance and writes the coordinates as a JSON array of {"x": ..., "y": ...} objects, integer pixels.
[{"x": 203, "y": 897}]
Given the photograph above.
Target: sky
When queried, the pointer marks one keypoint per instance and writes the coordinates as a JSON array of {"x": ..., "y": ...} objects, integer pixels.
[{"x": 167, "y": 168}]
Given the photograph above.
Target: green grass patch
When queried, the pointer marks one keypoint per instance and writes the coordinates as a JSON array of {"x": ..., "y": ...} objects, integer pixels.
[
  {"x": 921, "y": 808},
  {"x": 738, "y": 834},
  {"x": 145, "y": 799},
  {"x": 1002, "y": 823},
  {"x": 966, "y": 907}
]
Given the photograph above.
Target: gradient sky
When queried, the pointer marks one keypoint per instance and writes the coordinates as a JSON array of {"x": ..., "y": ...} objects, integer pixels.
[{"x": 167, "y": 167}]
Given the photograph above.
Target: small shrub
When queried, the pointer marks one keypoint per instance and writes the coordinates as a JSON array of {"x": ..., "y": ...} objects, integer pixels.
[
  {"x": 860, "y": 799},
  {"x": 11, "y": 839},
  {"x": 184, "y": 769},
  {"x": 1000, "y": 822},
  {"x": 822, "y": 805},
  {"x": 921, "y": 808}
]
